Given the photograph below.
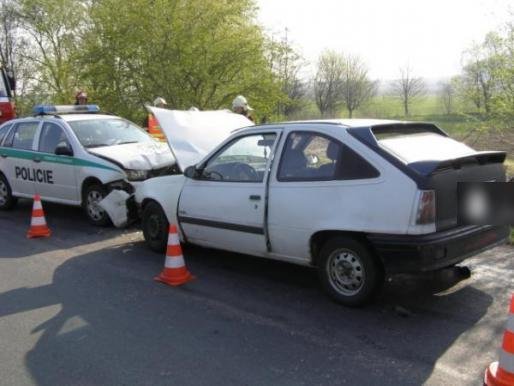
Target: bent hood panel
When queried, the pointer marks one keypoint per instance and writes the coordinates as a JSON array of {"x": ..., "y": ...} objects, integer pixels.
[
  {"x": 193, "y": 134},
  {"x": 137, "y": 156}
]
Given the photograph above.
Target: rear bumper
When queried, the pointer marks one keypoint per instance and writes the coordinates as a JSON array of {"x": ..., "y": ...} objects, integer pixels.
[{"x": 418, "y": 253}]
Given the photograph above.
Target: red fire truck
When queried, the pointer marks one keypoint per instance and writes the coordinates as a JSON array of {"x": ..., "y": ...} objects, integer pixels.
[{"x": 7, "y": 86}]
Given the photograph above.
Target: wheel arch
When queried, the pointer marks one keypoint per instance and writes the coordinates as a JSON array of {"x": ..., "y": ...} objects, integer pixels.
[
  {"x": 86, "y": 183},
  {"x": 319, "y": 238}
]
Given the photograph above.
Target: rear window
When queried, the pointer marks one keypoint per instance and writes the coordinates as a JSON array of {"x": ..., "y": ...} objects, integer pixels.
[{"x": 424, "y": 147}]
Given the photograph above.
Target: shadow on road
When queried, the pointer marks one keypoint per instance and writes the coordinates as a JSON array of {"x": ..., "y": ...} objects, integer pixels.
[
  {"x": 69, "y": 225},
  {"x": 243, "y": 321}
]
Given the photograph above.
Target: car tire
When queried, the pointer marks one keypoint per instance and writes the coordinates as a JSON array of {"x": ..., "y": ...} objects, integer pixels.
[
  {"x": 155, "y": 227},
  {"x": 7, "y": 201},
  {"x": 93, "y": 194},
  {"x": 349, "y": 272}
]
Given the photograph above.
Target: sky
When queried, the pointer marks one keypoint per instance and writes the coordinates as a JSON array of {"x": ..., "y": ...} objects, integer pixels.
[{"x": 429, "y": 36}]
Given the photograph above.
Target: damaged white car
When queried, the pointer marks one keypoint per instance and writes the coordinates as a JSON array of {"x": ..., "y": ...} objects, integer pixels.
[
  {"x": 354, "y": 198},
  {"x": 75, "y": 155}
]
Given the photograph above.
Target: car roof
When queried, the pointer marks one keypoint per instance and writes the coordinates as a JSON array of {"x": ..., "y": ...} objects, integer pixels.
[
  {"x": 344, "y": 123},
  {"x": 66, "y": 117},
  {"x": 348, "y": 123}
]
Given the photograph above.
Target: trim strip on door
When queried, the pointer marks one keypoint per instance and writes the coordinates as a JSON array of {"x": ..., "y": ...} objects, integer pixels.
[{"x": 222, "y": 225}]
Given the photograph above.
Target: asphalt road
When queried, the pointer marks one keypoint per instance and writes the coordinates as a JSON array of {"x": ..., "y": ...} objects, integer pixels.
[{"x": 81, "y": 308}]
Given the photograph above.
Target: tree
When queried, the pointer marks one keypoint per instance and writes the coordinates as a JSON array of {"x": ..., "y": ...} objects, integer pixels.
[
  {"x": 447, "y": 95},
  {"x": 55, "y": 27},
  {"x": 408, "y": 88},
  {"x": 193, "y": 53},
  {"x": 286, "y": 64},
  {"x": 328, "y": 82},
  {"x": 356, "y": 88}
]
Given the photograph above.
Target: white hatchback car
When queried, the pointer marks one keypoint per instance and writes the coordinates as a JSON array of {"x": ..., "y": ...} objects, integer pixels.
[
  {"x": 74, "y": 155},
  {"x": 354, "y": 198}
]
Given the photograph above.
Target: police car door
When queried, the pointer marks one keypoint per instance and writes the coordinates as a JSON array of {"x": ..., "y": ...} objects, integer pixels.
[
  {"x": 224, "y": 207},
  {"x": 17, "y": 153},
  {"x": 60, "y": 184}
]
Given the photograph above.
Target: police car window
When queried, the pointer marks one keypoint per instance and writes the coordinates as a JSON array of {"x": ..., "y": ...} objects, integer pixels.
[
  {"x": 24, "y": 135},
  {"x": 244, "y": 160},
  {"x": 309, "y": 156},
  {"x": 3, "y": 132},
  {"x": 51, "y": 136},
  {"x": 107, "y": 132}
]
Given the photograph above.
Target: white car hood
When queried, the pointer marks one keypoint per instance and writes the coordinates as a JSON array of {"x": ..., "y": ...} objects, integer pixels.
[
  {"x": 193, "y": 134},
  {"x": 137, "y": 156}
]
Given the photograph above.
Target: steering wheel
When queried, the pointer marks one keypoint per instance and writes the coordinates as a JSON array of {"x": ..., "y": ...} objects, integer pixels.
[{"x": 245, "y": 172}]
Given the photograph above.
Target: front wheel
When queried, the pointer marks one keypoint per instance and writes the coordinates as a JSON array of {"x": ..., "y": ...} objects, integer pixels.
[
  {"x": 349, "y": 272},
  {"x": 7, "y": 201},
  {"x": 93, "y": 195},
  {"x": 155, "y": 227}
]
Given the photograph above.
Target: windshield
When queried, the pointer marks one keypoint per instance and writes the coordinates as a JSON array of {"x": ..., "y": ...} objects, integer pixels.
[
  {"x": 425, "y": 147},
  {"x": 108, "y": 132}
]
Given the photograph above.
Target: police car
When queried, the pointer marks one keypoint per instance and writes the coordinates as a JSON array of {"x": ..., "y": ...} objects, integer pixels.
[
  {"x": 75, "y": 155},
  {"x": 354, "y": 198}
]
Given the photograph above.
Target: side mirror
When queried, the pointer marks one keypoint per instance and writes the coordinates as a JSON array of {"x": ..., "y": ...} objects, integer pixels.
[
  {"x": 64, "y": 149},
  {"x": 191, "y": 172}
]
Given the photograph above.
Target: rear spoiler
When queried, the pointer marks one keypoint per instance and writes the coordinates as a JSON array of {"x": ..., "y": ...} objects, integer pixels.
[{"x": 427, "y": 168}]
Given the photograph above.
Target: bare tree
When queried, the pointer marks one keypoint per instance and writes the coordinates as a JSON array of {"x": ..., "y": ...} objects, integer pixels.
[
  {"x": 356, "y": 87},
  {"x": 286, "y": 64},
  {"x": 408, "y": 88},
  {"x": 328, "y": 82},
  {"x": 447, "y": 95}
]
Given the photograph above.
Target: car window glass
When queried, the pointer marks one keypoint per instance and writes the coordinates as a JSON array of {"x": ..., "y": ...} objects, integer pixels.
[
  {"x": 309, "y": 156},
  {"x": 3, "y": 132},
  {"x": 244, "y": 160},
  {"x": 51, "y": 136},
  {"x": 108, "y": 132},
  {"x": 24, "y": 135}
]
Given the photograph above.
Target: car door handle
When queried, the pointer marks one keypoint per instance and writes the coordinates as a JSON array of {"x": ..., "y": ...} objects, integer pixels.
[
  {"x": 3, "y": 155},
  {"x": 255, "y": 197},
  {"x": 37, "y": 160}
]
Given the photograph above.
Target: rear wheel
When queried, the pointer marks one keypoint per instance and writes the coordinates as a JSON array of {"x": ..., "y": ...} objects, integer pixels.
[
  {"x": 7, "y": 201},
  {"x": 349, "y": 272},
  {"x": 93, "y": 194},
  {"x": 155, "y": 227}
]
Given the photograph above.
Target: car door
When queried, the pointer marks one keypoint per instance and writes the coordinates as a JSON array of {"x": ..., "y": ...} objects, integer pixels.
[
  {"x": 62, "y": 186},
  {"x": 224, "y": 207},
  {"x": 18, "y": 155}
]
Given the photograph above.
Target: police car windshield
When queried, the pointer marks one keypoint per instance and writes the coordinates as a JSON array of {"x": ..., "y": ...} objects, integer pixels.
[{"x": 107, "y": 132}]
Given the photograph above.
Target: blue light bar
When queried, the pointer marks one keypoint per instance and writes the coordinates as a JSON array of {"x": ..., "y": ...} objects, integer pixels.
[{"x": 65, "y": 109}]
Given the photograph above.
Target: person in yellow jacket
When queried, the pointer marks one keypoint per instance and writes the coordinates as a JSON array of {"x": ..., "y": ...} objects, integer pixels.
[{"x": 153, "y": 126}]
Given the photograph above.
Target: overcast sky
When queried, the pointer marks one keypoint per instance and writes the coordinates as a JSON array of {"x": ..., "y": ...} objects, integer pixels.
[{"x": 430, "y": 35}]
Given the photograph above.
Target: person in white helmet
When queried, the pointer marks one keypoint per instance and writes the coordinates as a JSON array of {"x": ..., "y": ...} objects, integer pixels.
[
  {"x": 160, "y": 102},
  {"x": 240, "y": 106}
]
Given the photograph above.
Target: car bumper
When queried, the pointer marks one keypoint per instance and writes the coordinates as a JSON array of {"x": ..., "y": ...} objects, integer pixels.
[{"x": 418, "y": 253}]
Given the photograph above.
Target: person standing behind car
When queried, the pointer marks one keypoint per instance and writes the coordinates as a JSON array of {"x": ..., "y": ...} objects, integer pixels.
[
  {"x": 81, "y": 98},
  {"x": 240, "y": 106},
  {"x": 153, "y": 126}
]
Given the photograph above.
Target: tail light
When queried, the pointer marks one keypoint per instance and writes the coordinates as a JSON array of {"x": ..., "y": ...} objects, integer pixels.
[{"x": 426, "y": 207}]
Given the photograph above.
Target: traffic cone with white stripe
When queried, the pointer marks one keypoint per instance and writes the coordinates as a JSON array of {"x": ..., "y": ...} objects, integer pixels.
[
  {"x": 38, "y": 227},
  {"x": 501, "y": 373},
  {"x": 175, "y": 272}
]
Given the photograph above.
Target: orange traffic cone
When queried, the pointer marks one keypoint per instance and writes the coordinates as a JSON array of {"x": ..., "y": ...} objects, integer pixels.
[
  {"x": 175, "y": 272},
  {"x": 502, "y": 373},
  {"x": 38, "y": 226}
]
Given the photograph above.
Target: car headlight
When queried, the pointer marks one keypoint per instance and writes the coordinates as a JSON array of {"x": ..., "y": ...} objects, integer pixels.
[{"x": 136, "y": 175}]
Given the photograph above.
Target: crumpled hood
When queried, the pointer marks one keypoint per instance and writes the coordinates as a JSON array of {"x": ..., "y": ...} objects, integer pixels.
[
  {"x": 193, "y": 134},
  {"x": 138, "y": 156}
]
